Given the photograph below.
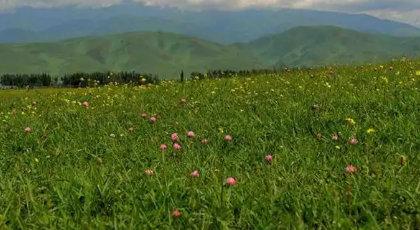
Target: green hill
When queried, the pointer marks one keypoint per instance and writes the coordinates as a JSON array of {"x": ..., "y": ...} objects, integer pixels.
[
  {"x": 167, "y": 53},
  {"x": 163, "y": 53},
  {"x": 320, "y": 45}
]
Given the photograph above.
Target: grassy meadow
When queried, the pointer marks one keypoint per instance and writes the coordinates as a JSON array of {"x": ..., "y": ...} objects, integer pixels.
[{"x": 330, "y": 148}]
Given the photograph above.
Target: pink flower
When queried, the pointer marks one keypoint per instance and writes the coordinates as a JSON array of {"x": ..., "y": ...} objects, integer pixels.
[
  {"x": 183, "y": 100},
  {"x": 177, "y": 146},
  {"x": 230, "y": 181},
  {"x": 205, "y": 141},
  {"x": 85, "y": 104},
  {"x": 149, "y": 172},
  {"x": 269, "y": 158},
  {"x": 153, "y": 119},
  {"x": 144, "y": 115},
  {"x": 176, "y": 213},
  {"x": 163, "y": 147},
  {"x": 195, "y": 174},
  {"x": 351, "y": 169},
  {"x": 353, "y": 141},
  {"x": 27, "y": 129},
  {"x": 228, "y": 138},
  {"x": 174, "y": 137},
  {"x": 190, "y": 134}
]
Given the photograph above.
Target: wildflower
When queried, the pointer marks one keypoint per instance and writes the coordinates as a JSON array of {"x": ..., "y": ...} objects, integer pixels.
[
  {"x": 153, "y": 119},
  {"x": 174, "y": 137},
  {"x": 350, "y": 169},
  {"x": 350, "y": 121},
  {"x": 36, "y": 160},
  {"x": 353, "y": 141},
  {"x": 112, "y": 135},
  {"x": 319, "y": 135},
  {"x": 370, "y": 130},
  {"x": 230, "y": 181},
  {"x": 195, "y": 174},
  {"x": 176, "y": 213},
  {"x": 27, "y": 129},
  {"x": 269, "y": 158},
  {"x": 221, "y": 130},
  {"x": 190, "y": 134},
  {"x": 34, "y": 103},
  {"x": 183, "y": 100},
  {"x": 418, "y": 72},
  {"x": 204, "y": 141},
  {"x": 85, "y": 104},
  {"x": 163, "y": 147},
  {"x": 131, "y": 129},
  {"x": 228, "y": 138},
  {"x": 334, "y": 137},
  {"x": 144, "y": 115},
  {"x": 177, "y": 146},
  {"x": 99, "y": 160},
  {"x": 149, "y": 172},
  {"x": 403, "y": 160}
]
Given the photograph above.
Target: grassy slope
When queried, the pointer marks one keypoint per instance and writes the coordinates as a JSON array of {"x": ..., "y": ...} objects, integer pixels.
[
  {"x": 163, "y": 53},
  {"x": 319, "y": 45},
  {"x": 167, "y": 54},
  {"x": 50, "y": 178}
]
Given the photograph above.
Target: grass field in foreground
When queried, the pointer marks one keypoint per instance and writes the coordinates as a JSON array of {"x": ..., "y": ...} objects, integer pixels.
[{"x": 64, "y": 165}]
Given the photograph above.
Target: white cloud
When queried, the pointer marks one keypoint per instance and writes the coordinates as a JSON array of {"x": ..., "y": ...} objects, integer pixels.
[{"x": 402, "y": 10}]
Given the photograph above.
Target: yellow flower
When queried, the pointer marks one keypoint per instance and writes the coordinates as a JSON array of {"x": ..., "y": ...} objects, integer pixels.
[
  {"x": 221, "y": 130},
  {"x": 36, "y": 160},
  {"x": 351, "y": 121},
  {"x": 418, "y": 72},
  {"x": 370, "y": 130}
]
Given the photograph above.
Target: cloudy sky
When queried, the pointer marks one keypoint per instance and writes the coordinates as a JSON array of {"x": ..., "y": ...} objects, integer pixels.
[{"x": 401, "y": 10}]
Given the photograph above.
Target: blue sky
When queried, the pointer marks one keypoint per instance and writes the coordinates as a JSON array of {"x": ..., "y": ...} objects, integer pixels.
[{"x": 401, "y": 10}]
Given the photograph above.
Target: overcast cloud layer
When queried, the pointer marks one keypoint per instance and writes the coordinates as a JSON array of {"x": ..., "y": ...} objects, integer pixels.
[{"x": 402, "y": 10}]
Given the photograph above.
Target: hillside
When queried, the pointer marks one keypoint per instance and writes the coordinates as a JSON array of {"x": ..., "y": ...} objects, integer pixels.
[
  {"x": 167, "y": 53},
  {"x": 226, "y": 27},
  {"x": 310, "y": 46},
  {"x": 163, "y": 53}
]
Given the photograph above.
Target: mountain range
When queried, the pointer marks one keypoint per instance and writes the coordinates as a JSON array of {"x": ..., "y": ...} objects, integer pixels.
[
  {"x": 167, "y": 54},
  {"x": 226, "y": 27}
]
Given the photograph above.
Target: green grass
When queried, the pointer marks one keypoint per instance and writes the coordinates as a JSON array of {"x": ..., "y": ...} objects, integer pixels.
[
  {"x": 168, "y": 54},
  {"x": 50, "y": 178}
]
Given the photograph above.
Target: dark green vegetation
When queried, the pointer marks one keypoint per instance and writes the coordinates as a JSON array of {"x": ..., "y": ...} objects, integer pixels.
[
  {"x": 166, "y": 54},
  {"x": 226, "y": 27},
  {"x": 87, "y": 168}
]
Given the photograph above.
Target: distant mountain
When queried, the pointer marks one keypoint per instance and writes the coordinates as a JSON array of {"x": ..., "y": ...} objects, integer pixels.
[
  {"x": 167, "y": 53},
  {"x": 224, "y": 27}
]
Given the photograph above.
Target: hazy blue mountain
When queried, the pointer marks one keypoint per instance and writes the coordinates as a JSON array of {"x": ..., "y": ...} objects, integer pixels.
[{"x": 30, "y": 25}]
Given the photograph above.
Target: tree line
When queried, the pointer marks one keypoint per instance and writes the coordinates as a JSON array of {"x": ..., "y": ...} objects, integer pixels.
[
  {"x": 94, "y": 79},
  {"x": 79, "y": 79}
]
